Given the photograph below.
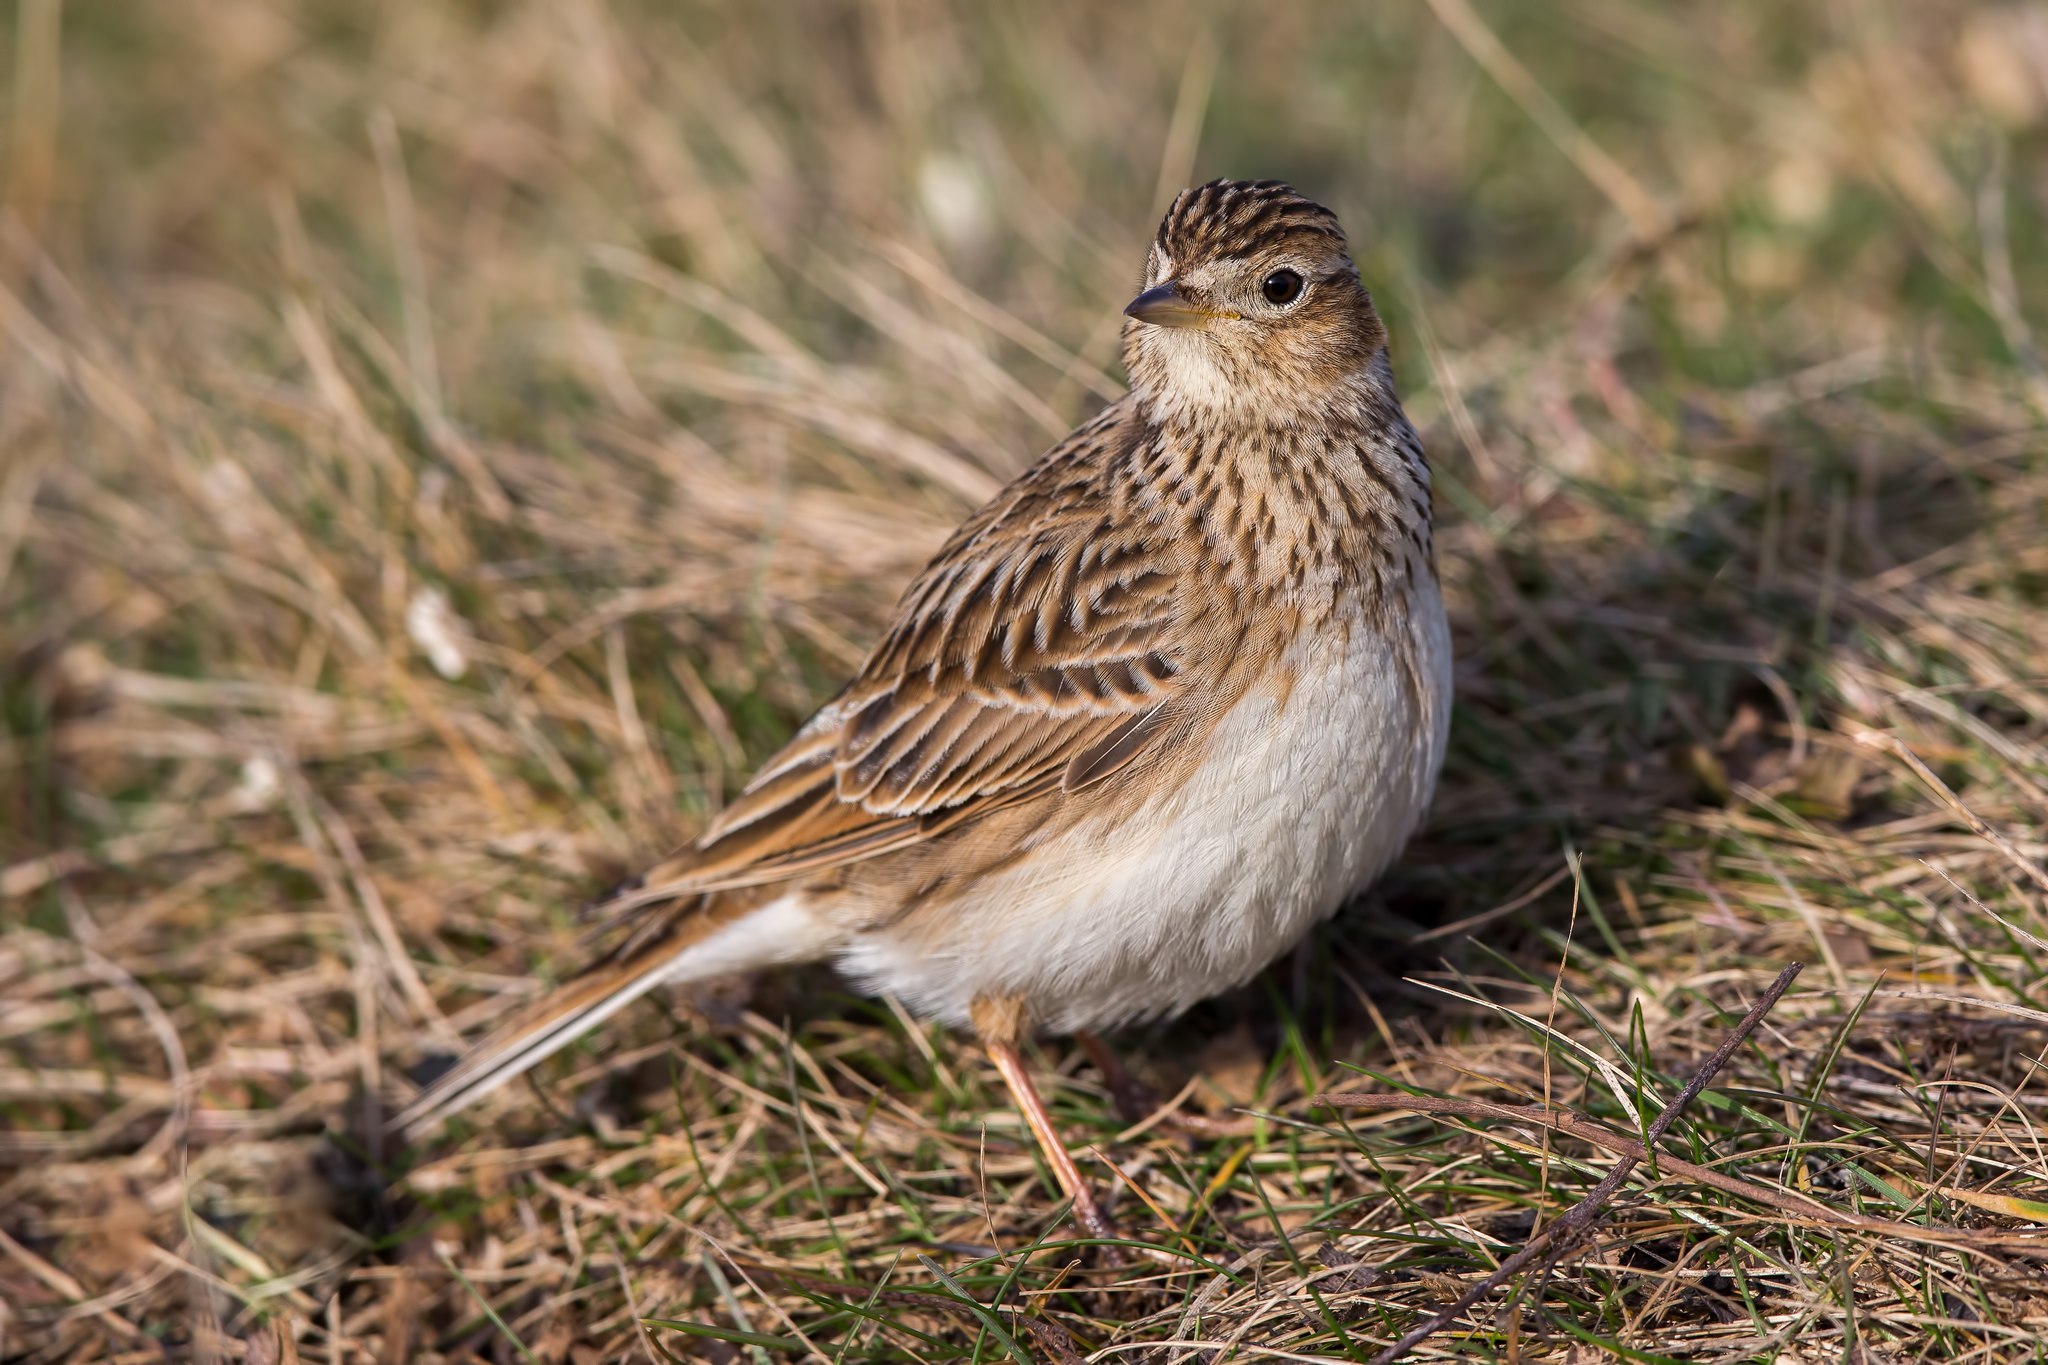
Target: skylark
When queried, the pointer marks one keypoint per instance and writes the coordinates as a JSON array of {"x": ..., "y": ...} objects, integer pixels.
[{"x": 1173, "y": 696}]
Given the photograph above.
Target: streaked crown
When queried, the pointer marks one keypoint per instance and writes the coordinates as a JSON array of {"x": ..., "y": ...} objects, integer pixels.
[{"x": 1239, "y": 218}]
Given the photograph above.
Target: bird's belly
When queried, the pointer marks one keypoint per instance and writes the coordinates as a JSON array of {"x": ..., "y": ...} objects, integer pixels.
[{"x": 1301, "y": 800}]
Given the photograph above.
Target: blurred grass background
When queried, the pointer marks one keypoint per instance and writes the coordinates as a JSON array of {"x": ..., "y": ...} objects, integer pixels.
[{"x": 444, "y": 445}]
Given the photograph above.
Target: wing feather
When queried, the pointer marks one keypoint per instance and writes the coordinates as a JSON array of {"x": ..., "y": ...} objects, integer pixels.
[{"x": 1044, "y": 649}]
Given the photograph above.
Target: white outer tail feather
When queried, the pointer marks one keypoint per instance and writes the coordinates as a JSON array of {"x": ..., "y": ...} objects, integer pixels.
[
  {"x": 457, "y": 1091},
  {"x": 782, "y": 932}
]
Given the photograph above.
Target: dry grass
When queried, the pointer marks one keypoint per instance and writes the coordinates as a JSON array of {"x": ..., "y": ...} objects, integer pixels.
[{"x": 629, "y": 357}]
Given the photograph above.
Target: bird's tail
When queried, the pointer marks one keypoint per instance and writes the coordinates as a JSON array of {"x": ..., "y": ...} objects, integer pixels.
[{"x": 717, "y": 937}]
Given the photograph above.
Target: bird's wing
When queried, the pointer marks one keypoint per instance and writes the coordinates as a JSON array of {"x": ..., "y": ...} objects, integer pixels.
[{"x": 1043, "y": 649}]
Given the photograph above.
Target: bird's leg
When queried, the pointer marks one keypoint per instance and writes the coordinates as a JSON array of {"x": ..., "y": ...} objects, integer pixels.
[
  {"x": 1135, "y": 1101},
  {"x": 1000, "y": 1022}
]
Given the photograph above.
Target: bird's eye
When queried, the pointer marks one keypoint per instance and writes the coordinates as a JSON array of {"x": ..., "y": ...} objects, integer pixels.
[{"x": 1281, "y": 287}]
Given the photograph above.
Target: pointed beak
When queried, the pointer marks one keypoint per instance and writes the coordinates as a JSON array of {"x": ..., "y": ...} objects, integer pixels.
[{"x": 1163, "y": 305}]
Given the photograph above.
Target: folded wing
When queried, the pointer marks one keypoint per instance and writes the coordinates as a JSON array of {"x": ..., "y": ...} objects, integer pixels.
[{"x": 1045, "y": 648}]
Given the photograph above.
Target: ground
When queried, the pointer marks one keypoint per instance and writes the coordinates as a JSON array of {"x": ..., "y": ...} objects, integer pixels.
[{"x": 443, "y": 445}]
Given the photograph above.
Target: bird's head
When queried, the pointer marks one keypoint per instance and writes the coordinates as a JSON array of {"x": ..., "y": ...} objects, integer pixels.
[{"x": 1251, "y": 302}]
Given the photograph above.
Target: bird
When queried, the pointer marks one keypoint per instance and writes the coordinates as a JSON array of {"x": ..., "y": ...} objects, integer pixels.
[{"x": 1174, "y": 695}]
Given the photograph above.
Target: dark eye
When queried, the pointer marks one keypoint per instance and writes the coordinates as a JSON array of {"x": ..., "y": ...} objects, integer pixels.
[{"x": 1282, "y": 286}]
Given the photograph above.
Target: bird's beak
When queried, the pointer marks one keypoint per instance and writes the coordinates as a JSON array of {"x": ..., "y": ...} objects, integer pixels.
[{"x": 1163, "y": 305}]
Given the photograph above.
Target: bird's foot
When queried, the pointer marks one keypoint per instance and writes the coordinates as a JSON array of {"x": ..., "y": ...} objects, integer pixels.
[{"x": 1138, "y": 1104}]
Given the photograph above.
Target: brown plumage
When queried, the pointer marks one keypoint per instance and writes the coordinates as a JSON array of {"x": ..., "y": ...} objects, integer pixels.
[{"x": 1174, "y": 694}]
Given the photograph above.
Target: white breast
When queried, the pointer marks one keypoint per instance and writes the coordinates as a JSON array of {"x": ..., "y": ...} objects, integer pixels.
[{"x": 1300, "y": 804}]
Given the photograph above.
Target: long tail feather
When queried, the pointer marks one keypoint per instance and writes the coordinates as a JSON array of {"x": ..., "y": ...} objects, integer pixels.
[{"x": 702, "y": 944}]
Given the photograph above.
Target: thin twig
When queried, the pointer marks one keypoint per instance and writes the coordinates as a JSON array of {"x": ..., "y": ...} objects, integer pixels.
[
  {"x": 1573, "y": 1124},
  {"x": 1580, "y": 1217}
]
